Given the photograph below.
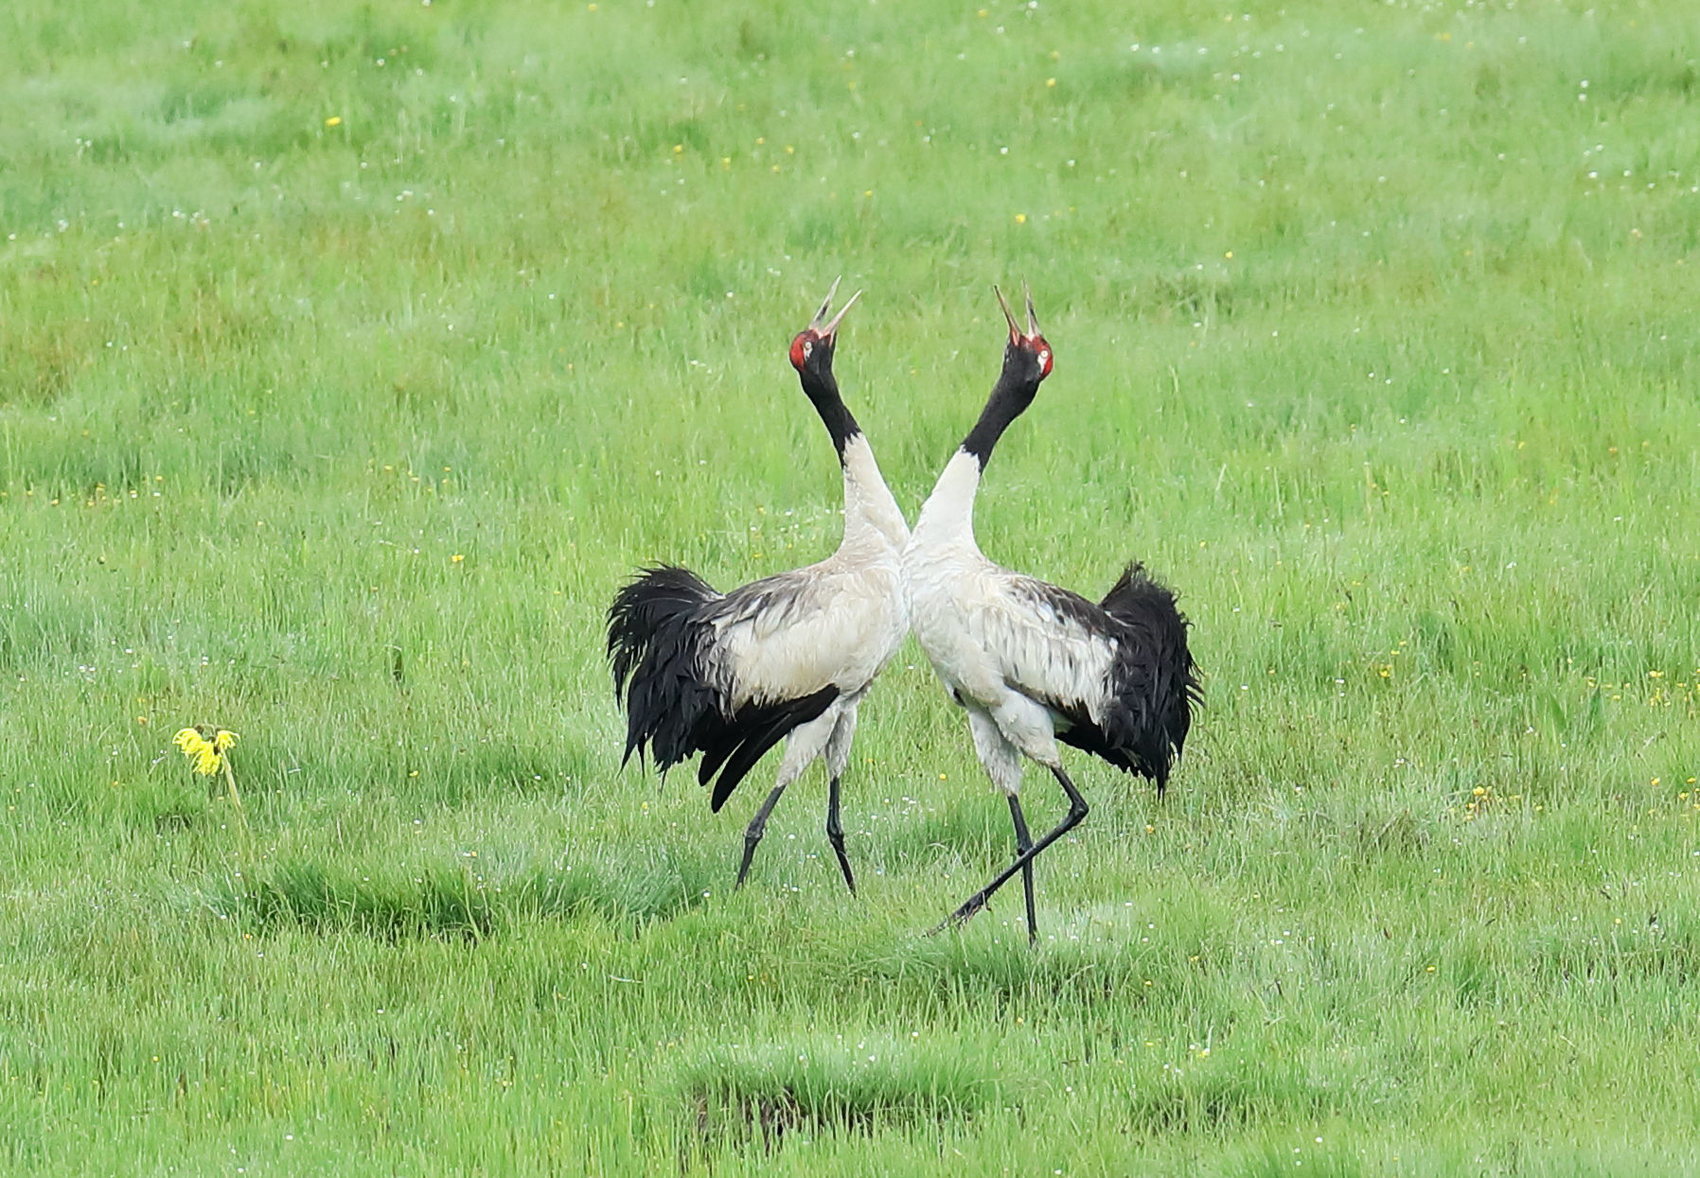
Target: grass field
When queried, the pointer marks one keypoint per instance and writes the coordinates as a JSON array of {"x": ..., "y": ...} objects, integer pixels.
[{"x": 350, "y": 356}]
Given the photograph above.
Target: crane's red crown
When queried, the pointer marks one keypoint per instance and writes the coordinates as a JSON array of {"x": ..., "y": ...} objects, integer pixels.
[
  {"x": 804, "y": 345},
  {"x": 1042, "y": 350},
  {"x": 821, "y": 332},
  {"x": 800, "y": 349}
]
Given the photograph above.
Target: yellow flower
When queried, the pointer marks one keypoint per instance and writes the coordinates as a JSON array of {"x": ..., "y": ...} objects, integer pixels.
[
  {"x": 334, "y": 121},
  {"x": 206, "y": 757}
]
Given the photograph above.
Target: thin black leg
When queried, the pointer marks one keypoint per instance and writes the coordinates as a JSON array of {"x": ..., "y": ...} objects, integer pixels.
[
  {"x": 1077, "y": 810},
  {"x": 835, "y": 834},
  {"x": 1023, "y": 844},
  {"x": 753, "y": 833}
]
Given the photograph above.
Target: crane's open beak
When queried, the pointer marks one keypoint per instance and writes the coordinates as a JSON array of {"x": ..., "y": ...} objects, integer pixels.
[
  {"x": 825, "y": 304},
  {"x": 829, "y": 328},
  {"x": 1016, "y": 335},
  {"x": 1009, "y": 318}
]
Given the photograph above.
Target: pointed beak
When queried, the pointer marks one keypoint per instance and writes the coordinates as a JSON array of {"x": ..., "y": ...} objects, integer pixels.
[
  {"x": 830, "y": 330},
  {"x": 821, "y": 325},
  {"x": 1014, "y": 327},
  {"x": 1032, "y": 315},
  {"x": 826, "y": 304}
]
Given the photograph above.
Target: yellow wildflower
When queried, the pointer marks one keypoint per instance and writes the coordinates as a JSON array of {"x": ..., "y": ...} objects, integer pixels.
[
  {"x": 208, "y": 750},
  {"x": 198, "y": 749},
  {"x": 206, "y": 756}
]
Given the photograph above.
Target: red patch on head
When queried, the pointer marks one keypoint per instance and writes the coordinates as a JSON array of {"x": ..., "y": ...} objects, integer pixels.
[
  {"x": 797, "y": 353},
  {"x": 1044, "y": 351}
]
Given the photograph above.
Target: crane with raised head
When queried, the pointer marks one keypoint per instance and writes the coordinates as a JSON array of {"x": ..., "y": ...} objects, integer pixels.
[
  {"x": 789, "y": 657},
  {"x": 1034, "y": 664}
]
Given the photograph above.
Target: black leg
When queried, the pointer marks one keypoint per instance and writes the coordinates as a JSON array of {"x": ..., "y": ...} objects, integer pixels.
[
  {"x": 1077, "y": 809},
  {"x": 1023, "y": 844},
  {"x": 835, "y": 834},
  {"x": 753, "y": 833}
]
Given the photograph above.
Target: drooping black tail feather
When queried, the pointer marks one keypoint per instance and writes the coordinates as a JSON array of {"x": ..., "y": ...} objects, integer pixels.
[
  {"x": 1153, "y": 682},
  {"x": 657, "y": 646},
  {"x": 733, "y": 750},
  {"x": 660, "y": 642}
]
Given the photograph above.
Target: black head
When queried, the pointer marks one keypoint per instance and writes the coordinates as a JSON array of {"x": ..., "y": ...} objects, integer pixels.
[
  {"x": 1027, "y": 357},
  {"x": 1026, "y": 362},
  {"x": 811, "y": 350},
  {"x": 811, "y": 356}
]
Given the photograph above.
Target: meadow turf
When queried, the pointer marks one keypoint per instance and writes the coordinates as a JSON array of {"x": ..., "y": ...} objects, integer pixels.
[{"x": 351, "y": 355}]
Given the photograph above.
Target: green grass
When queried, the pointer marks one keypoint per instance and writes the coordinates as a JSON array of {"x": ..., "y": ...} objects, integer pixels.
[{"x": 350, "y": 357}]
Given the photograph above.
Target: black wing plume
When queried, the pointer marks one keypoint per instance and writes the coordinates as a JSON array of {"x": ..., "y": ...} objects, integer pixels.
[
  {"x": 1153, "y": 683},
  {"x": 660, "y": 637},
  {"x": 657, "y": 645}
]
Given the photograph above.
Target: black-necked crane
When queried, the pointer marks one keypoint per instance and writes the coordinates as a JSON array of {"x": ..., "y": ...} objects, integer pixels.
[
  {"x": 1034, "y": 664},
  {"x": 786, "y": 657}
]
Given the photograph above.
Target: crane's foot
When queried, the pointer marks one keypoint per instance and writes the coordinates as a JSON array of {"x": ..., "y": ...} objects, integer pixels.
[
  {"x": 962, "y": 915},
  {"x": 749, "y": 854},
  {"x": 844, "y": 864},
  {"x": 835, "y": 833},
  {"x": 753, "y": 833}
]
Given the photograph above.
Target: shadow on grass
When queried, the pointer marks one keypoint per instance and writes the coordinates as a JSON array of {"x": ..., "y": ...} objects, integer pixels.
[
  {"x": 452, "y": 901},
  {"x": 967, "y": 830},
  {"x": 1215, "y": 1095},
  {"x": 760, "y": 1094},
  {"x": 1089, "y": 956}
]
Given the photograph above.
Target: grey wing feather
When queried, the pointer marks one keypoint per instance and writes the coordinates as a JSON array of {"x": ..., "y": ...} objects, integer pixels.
[
  {"x": 1046, "y": 640},
  {"x": 794, "y": 633}
]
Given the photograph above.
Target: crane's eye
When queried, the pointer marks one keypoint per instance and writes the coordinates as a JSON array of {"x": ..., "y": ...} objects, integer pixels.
[{"x": 1044, "y": 359}]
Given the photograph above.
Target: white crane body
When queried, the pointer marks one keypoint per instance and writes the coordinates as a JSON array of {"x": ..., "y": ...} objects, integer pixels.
[
  {"x": 789, "y": 657},
  {"x": 1034, "y": 664}
]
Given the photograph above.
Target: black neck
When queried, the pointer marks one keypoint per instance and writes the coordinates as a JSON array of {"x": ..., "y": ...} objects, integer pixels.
[
  {"x": 1010, "y": 397},
  {"x": 822, "y": 390}
]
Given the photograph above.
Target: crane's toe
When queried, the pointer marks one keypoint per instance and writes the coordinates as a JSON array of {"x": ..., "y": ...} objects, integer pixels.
[{"x": 962, "y": 915}]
